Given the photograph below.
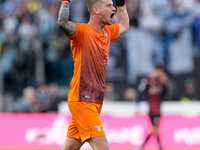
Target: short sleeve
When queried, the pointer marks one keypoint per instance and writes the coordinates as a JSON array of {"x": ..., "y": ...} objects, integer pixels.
[
  {"x": 78, "y": 30},
  {"x": 114, "y": 31}
]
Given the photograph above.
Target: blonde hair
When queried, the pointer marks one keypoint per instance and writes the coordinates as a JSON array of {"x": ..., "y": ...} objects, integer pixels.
[{"x": 90, "y": 4}]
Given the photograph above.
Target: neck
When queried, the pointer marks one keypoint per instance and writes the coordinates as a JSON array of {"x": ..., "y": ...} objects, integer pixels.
[{"x": 96, "y": 23}]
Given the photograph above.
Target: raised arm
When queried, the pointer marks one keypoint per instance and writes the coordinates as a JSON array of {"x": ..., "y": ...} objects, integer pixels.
[
  {"x": 68, "y": 27},
  {"x": 122, "y": 17}
]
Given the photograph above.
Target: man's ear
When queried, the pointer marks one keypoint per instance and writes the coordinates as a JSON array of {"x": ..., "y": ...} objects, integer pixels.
[{"x": 96, "y": 10}]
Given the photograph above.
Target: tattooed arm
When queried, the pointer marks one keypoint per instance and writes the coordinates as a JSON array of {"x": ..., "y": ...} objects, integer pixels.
[
  {"x": 67, "y": 26},
  {"x": 122, "y": 19}
]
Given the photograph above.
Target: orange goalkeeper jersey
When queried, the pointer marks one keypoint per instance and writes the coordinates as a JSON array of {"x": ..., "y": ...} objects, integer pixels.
[{"x": 90, "y": 52}]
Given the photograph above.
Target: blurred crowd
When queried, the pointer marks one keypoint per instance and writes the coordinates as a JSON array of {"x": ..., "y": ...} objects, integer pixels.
[
  {"x": 43, "y": 99},
  {"x": 34, "y": 53}
]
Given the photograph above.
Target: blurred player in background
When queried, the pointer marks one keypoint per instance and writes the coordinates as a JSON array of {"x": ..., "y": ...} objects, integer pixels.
[
  {"x": 90, "y": 47},
  {"x": 154, "y": 86}
]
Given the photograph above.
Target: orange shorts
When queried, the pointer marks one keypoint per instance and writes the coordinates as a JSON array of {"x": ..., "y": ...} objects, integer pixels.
[{"x": 86, "y": 122}]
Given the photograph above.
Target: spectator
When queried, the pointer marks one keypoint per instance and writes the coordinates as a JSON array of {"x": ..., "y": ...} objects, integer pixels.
[
  {"x": 130, "y": 94},
  {"x": 150, "y": 21},
  {"x": 178, "y": 38},
  {"x": 116, "y": 68},
  {"x": 52, "y": 92},
  {"x": 78, "y": 11},
  {"x": 42, "y": 96},
  {"x": 28, "y": 102},
  {"x": 53, "y": 97},
  {"x": 190, "y": 89},
  {"x": 139, "y": 55},
  {"x": 26, "y": 32},
  {"x": 196, "y": 23},
  {"x": 7, "y": 58},
  {"x": 110, "y": 93}
]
